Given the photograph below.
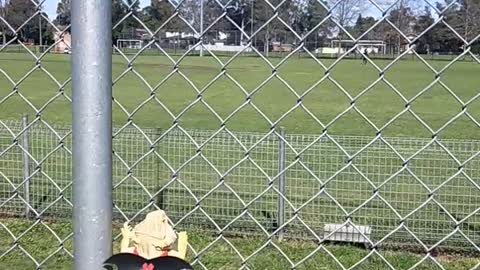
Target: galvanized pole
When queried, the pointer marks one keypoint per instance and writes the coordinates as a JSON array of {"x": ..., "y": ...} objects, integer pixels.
[
  {"x": 201, "y": 27},
  {"x": 251, "y": 19},
  {"x": 281, "y": 182},
  {"x": 40, "y": 38},
  {"x": 92, "y": 132},
  {"x": 26, "y": 165}
]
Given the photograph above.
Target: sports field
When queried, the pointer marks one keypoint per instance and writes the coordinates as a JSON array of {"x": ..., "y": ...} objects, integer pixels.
[
  {"x": 325, "y": 100},
  {"x": 41, "y": 243}
]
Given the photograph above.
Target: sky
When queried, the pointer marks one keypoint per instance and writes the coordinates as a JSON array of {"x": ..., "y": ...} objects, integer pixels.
[{"x": 50, "y": 7}]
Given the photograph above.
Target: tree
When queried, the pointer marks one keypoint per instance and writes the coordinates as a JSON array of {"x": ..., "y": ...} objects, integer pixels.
[
  {"x": 469, "y": 13},
  {"x": 157, "y": 13},
  {"x": 446, "y": 41},
  {"x": 240, "y": 12},
  {"x": 263, "y": 12},
  {"x": 19, "y": 12},
  {"x": 345, "y": 14},
  {"x": 463, "y": 17},
  {"x": 211, "y": 11},
  {"x": 119, "y": 11},
  {"x": 404, "y": 19},
  {"x": 3, "y": 14},
  {"x": 314, "y": 14},
  {"x": 347, "y": 11},
  {"x": 362, "y": 25},
  {"x": 427, "y": 41},
  {"x": 64, "y": 13},
  {"x": 190, "y": 11}
]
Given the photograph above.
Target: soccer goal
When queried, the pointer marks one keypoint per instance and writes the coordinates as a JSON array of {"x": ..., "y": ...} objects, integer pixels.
[
  {"x": 371, "y": 46},
  {"x": 135, "y": 44}
]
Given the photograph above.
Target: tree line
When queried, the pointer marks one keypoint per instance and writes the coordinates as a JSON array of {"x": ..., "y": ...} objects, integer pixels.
[{"x": 349, "y": 19}]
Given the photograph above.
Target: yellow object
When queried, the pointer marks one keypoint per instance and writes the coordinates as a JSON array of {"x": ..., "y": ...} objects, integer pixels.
[{"x": 153, "y": 237}]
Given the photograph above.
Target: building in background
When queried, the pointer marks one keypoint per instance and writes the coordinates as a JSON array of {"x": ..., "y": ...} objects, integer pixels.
[{"x": 63, "y": 42}]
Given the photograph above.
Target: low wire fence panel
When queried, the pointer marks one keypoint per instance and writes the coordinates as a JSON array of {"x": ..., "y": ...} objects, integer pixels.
[{"x": 327, "y": 184}]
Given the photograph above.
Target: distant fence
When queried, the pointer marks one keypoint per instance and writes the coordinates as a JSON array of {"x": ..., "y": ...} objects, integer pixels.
[
  {"x": 229, "y": 51},
  {"x": 223, "y": 181}
]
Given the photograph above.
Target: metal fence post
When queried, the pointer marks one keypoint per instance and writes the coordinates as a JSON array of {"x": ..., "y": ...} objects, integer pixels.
[
  {"x": 157, "y": 163},
  {"x": 281, "y": 181},
  {"x": 92, "y": 132},
  {"x": 201, "y": 27},
  {"x": 26, "y": 165}
]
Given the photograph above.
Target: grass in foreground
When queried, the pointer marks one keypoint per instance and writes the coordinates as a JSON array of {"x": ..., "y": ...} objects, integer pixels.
[
  {"x": 40, "y": 242},
  {"x": 326, "y": 101}
]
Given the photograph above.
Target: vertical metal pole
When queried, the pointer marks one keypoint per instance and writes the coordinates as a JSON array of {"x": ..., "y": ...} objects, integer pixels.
[
  {"x": 252, "y": 25},
  {"x": 175, "y": 46},
  {"x": 40, "y": 38},
  {"x": 251, "y": 19},
  {"x": 281, "y": 182},
  {"x": 201, "y": 27},
  {"x": 267, "y": 35},
  {"x": 26, "y": 165},
  {"x": 158, "y": 181},
  {"x": 92, "y": 132}
]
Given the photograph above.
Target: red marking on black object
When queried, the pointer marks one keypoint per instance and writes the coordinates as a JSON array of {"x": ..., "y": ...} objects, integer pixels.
[{"x": 128, "y": 261}]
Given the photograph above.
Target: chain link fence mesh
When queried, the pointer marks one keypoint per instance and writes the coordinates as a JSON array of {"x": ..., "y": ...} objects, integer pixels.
[{"x": 386, "y": 190}]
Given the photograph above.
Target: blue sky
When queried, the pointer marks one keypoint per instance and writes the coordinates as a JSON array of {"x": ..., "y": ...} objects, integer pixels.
[{"x": 50, "y": 7}]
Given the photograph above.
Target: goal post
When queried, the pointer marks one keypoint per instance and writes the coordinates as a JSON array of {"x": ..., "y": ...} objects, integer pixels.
[
  {"x": 129, "y": 44},
  {"x": 372, "y": 46}
]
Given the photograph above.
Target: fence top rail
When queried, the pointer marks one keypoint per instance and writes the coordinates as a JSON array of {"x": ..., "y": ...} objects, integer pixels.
[{"x": 207, "y": 133}]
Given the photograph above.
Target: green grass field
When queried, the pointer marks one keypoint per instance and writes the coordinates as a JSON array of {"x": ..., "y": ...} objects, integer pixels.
[
  {"x": 325, "y": 101},
  {"x": 435, "y": 107},
  {"x": 40, "y": 243}
]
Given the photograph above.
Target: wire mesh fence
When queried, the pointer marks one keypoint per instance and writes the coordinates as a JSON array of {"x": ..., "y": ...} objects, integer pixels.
[
  {"x": 378, "y": 190},
  {"x": 208, "y": 181}
]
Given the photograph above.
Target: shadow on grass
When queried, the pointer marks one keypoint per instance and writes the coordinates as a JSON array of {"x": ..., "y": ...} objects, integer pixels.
[{"x": 37, "y": 239}]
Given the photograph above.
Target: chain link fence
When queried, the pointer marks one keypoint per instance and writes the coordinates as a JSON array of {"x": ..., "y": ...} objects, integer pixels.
[
  {"x": 276, "y": 185},
  {"x": 138, "y": 178}
]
